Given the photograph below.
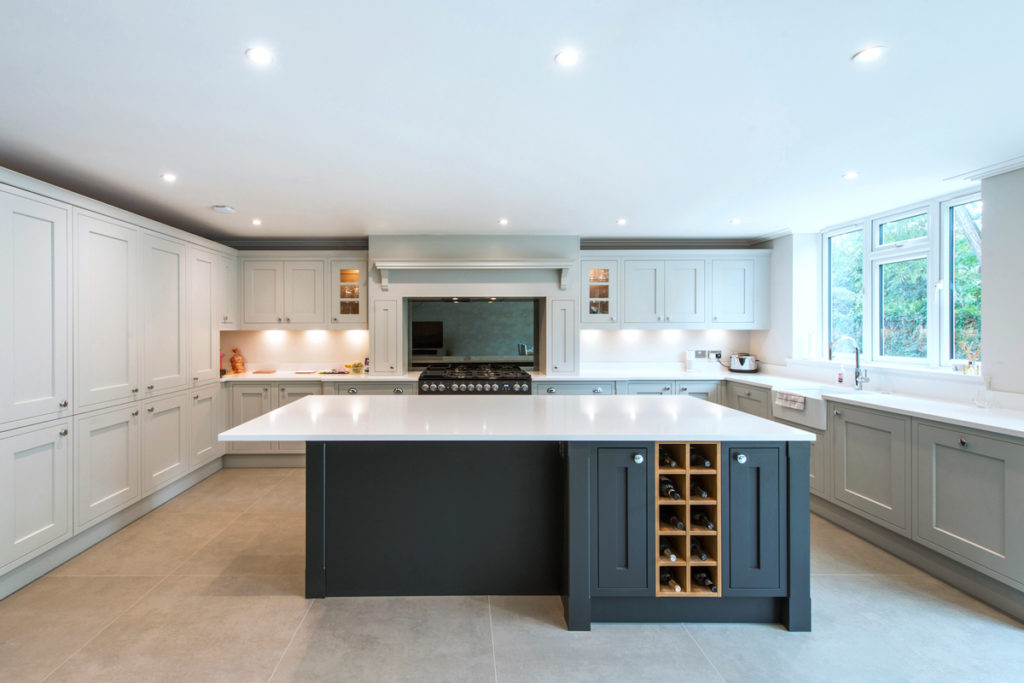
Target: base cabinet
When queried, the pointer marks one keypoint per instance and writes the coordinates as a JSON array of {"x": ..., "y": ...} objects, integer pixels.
[
  {"x": 753, "y": 400},
  {"x": 35, "y": 491},
  {"x": 107, "y": 464},
  {"x": 755, "y": 564},
  {"x": 621, "y": 533},
  {"x": 707, "y": 391},
  {"x": 164, "y": 441},
  {"x": 249, "y": 400},
  {"x": 372, "y": 388},
  {"x": 286, "y": 393},
  {"x": 871, "y": 464},
  {"x": 205, "y": 423},
  {"x": 574, "y": 388}
]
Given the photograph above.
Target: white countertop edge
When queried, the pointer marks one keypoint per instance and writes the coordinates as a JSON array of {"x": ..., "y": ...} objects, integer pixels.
[{"x": 804, "y": 437}]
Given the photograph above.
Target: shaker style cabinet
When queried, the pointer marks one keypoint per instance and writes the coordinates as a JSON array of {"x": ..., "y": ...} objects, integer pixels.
[
  {"x": 249, "y": 400},
  {"x": 107, "y": 463},
  {"x": 385, "y": 338},
  {"x": 163, "y": 314},
  {"x": 206, "y": 421},
  {"x": 574, "y": 388},
  {"x": 643, "y": 292},
  {"x": 684, "y": 292},
  {"x": 106, "y": 329},
  {"x": 164, "y": 440},
  {"x": 293, "y": 391},
  {"x": 732, "y": 291},
  {"x": 749, "y": 399},
  {"x": 263, "y": 292},
  {"x": 35, "y": 491},
  {"x": 563, "y": 337},
  {"x": 664, "y": 293},
  {"x": 707, "y": 391},
  {"x": 285, "y": 293},
  {"x": 35, "y": 360},
  {"x": 599, "y": 293},
  {"x": 756, "y": 533},
  {"x": 346, "y": 293},
  {"x": 204, "y": 329},
  {"x": 227, "y": 292},
  {"x": 621, "y": 530},
  {"x": 667, "y": 388},
  {"x": 871, "y": 464}
]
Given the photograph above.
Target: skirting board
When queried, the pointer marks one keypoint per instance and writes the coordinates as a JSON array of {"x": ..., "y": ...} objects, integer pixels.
[
  {"x": 268, "y": 460},
  {"x": 19, "y": 577},
  {"x": 974, "y": 583}
]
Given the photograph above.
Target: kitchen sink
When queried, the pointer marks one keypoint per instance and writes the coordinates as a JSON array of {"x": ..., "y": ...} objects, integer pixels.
[{"x": 813, "y": 415}]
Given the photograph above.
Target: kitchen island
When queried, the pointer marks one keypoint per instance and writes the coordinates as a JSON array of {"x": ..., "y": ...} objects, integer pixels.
[{"x": 632, "y": 508}]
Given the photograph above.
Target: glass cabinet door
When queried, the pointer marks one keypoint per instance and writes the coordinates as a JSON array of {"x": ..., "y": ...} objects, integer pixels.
[
  {"x": 347, "y": 292},
  {"x": 600, "y": 293}
]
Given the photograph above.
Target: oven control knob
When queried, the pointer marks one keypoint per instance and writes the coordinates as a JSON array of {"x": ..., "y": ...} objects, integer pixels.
[
  {"x": 425, "y": 387},
  {"x": 440, "y": 387},
  {"x": 487, "y": 387},
  {"x": 433, "y": 387},
  {"x": 479, "y": 387},
  {"x": 462, "y": 387},
  {"x": 455, "y": 387},
  {"x": 515, "y": 388},
  {"x": 471, "y": 387}
]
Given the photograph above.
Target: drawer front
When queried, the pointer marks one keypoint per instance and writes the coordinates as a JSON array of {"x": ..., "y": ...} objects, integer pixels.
[
  {"x": 665, "y": 388},
  {"x": 753, "y": 400},
  {"x": 707, "y": 391},
  {"x": 375, "y": 388},
  {"x": 574, "y": 388}
]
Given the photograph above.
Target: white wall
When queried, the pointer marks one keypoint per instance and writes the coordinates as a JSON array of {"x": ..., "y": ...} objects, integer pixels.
[
  {"x": 1002, "y": 290},
  {"x": 296, "y": 349},
  {"x": 795, "y": 330},
  {"x": 656, "y": 346}
]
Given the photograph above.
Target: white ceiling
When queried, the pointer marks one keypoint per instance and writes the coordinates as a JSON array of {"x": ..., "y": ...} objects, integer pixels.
[{"x": 442, "y": 117}]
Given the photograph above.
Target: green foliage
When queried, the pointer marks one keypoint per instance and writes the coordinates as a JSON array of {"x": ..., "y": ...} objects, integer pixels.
[
  {"x": 965, "y": 289},
  {"x": 846, "y": 285},
  {"x": 904, "y": 326}
]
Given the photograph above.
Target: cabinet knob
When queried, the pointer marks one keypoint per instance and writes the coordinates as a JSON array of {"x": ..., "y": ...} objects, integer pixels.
[
  {"x": 150, "y": 386},
  {"x": 265, "y": 389},
  {"x": 335, "y": 319},
  {"x": 194, "y": 379},
  {"x": 225, "y": 318},
  {"x": 287, "y": 320},
  {"x": 613, "y": 318},
  {"x": 399, "y": 390},
  {"x": 150, "y": 409},
  {"x": 391, "y": 367},
  {"x": 638, "y": 458},
  {"x": 554, "y": 367},
  {"x": 741, "y": 458},
  {"x": 659, "y": 317},
  {"x": 63, "y": 432},
  {"x": 135, "y": 413},
  {"x": 196, "y": 397},
  {"x": 963, "y": 443},
  {"x": 746, "y": 393},
  {"x": 684, "y": 388},
  {"x": 63, "y": 404},
  {"x": 667, "y": 388},
  {"x": 278, "y": 320},
  {"x": 135, "y": 390},
  {"x": 598, "y": 390},
  {"x": 667, "y": 318},
  {"x": 552, "y": 390},
  {"x": 716, "y": 317},
  {"x": 835, "y": 411},
  {"x": 353, "y": 390}
]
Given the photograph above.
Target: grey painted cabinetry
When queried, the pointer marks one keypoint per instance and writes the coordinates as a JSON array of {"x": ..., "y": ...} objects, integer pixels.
[
  {"x": 755, "y": 536},
  {"x": 372, "y": 388},
  {"x": 574, "y": 388},
  {"x": 621, "y": 531},
  {"x": 753, "y": 400},
  {"x": 641, "y": 388},
  {"x": 871, "y": 465},
  {"x": 707, "y": 391},
  {"x": 969, "y": 502}
]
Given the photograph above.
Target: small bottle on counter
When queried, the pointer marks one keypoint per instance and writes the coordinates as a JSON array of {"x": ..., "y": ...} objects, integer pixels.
[{"x": 366, "y": 364}]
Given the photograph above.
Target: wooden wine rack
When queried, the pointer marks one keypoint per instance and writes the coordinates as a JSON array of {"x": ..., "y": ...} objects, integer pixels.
[{"x": 684, "y": 508}]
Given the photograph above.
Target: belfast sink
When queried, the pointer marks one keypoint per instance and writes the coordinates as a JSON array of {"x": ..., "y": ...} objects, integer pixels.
[{"x": 813, "y": 415}]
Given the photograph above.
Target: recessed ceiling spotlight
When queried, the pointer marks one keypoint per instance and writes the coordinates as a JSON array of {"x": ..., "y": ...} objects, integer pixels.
[
  {"x": 168, "y": 177},
  {"x": 502, "y": 222},
  {"x": 569, "y": 57},
  {"x": 223, "y": 208},
  {"x": 621, "y": 221},
  {"x": 868, "y": 54},
  {"x": 257, "y": 221},
  {"x": 259, "y": 55},
  {"x": 851, "y": 175},
  {"x": 735, "y": 221}
]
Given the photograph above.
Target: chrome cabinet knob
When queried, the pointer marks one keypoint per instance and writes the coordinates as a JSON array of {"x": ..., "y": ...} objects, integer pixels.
[
  {"x": 613, "y": 318},
  {"x": 150, "y": 409},
  {"x": 741, "y": 458},
  {"x": 551, "y": 390},
  {"x": 353, "y": 390},
  {"x": 667, "y": 388},
  {"x": 135, "y": 390},
  {"x": 335, "y": 318},
  {"x": 196, "y": 397},
  {"x": 391, "y": 367},
  {"x": 287, "y": 320},
  {"x": 684, "y": 388},
  {"x": 746, "y": 393},
  {"x": 278, "y": 320},
  {"x": 659, "y": 317},
  {"x": 194, "y": 379},
  {"x": 150, "y": 386},
  {"x": 135, "y": 413},
  {"x": 836, "y": 412},
  {"x": 399, "y": 390},
  {"x": 668, "y": 317},
  {"x": 598, "y": 390},
  {"x": 63, "y": 404},
  {"x": 638, "y": 458},
  {"x": 963, "y": 443},
  {"x": 63, "y": 432}
]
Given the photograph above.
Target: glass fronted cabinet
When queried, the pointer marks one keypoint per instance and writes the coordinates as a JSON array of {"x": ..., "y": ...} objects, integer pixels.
[
  {"x": 347, "y": 293},
  {"x": 600, "y": 293}
]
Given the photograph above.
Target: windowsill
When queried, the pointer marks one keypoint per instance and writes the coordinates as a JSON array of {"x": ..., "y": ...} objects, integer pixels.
[{"x": 921, "y": 371}]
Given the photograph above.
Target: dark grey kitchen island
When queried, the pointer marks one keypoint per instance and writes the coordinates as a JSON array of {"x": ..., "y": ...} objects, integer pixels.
[{"x": 632, "y": 508}]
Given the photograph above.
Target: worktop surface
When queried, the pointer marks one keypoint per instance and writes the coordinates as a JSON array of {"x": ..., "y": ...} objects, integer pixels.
[{"x": 509, "y": 418}]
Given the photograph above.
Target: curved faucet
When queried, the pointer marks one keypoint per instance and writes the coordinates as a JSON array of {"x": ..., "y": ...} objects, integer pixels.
[{"x": 860, "y": 375}]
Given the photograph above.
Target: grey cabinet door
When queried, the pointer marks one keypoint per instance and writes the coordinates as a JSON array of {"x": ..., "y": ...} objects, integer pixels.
[
  {"x": 752, "y": 400},
  {"x": 621, "y": 528},
  {"x": 969, "y": 505},
  {"x": 756, "y": 534},
  {"x": 707, "y": 391},
  {"x": 871, "y": 465}
]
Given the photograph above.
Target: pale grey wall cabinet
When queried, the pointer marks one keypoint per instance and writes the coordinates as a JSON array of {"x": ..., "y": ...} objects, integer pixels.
[{"x": 871, "y": 458}]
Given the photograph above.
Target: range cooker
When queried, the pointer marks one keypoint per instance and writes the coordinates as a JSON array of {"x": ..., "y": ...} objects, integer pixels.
[{"x": 475, "y": 378}]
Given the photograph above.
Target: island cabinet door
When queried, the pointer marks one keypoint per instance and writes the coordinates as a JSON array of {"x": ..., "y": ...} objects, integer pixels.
[
  {"x": 620, "y": 529},
  {"x": 755, "y": 537}
]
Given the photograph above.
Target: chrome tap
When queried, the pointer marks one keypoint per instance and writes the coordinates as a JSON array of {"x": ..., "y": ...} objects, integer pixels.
[{"x": 860, "y": 375}]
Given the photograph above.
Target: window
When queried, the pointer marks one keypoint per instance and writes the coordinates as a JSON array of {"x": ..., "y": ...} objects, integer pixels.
[{"x": 909, "y": 288}]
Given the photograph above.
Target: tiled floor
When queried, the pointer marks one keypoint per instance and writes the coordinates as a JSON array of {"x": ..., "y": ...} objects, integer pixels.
[{"x": 209, "y": 588}]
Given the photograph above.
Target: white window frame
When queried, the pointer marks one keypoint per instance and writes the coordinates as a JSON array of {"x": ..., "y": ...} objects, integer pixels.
[{"x": 934, "y": 247}]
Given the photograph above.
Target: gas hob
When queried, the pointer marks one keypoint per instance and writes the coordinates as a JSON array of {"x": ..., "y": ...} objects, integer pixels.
[{"x": 475, "y": 378}]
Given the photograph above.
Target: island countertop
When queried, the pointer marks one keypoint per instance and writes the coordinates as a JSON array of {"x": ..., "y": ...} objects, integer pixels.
[{"x": 509, "y": 418}]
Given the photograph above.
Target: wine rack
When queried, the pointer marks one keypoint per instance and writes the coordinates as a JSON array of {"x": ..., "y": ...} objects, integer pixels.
[{"x": 691, "y": 482}]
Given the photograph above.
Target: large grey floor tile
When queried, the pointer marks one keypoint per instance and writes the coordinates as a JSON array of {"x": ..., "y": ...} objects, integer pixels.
[
  {"x": 289, "y": 496},
  {"x": 532, "y": 644},
  {"x": 392, "y": 639},
  {"x": 47, "y": 621},
  {"x": 151, "y": 546},
  {"x": 875, "y": 628},
  {"x": 193, "y": 628},
  {"x": 836, "y": 551},
  {"x": 254, "y": 544},
  {"x": 230, "y": 490}
]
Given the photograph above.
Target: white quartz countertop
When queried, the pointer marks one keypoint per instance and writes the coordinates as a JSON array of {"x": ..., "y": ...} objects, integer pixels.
[
  {"x": 297, "y": 376},
  {"x": 509, "y": 418}
]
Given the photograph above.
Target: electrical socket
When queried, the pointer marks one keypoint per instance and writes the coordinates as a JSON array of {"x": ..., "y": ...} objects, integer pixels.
[
  {"x": 700, "y": 354},
  {"x": 716, "y": 354}
]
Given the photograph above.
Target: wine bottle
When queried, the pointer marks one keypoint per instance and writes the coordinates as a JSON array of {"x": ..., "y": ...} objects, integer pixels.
[
  {"x": 668, "y": 488},
  {"x": 667, "y": 461},
  {"x": 697, "y": 551},
  {"x": 668, "y": 580},
  {"x": 698, "y": 460},
  {"x": 697, "y": 491},
  {"x": 667, "y": 551},
  {"x": 702, "y": 520},
  {"x": 702, "y": 579},
  {"x": 674, "y": 522}
]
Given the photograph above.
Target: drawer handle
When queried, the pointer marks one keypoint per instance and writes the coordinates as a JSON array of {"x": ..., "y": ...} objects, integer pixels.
[
  {"x": 196, "y": 397},
  {"x": 63, "y": 404},
  {"x": 150, "y": 409},
  {"x": 353, "y": 390},
  {"x": 741, "y": 458},
  {"x": 638, "y": 458},
  {"x": 667, "y": 388},
  {"x": 597, "y": 390},
  {"x": 135, "y": 390},
  {"x": 135, "y": 413},
  {"x": 551, "y": 390},
  {"x": 835, "y": 411},
  {"x": 684, "y": 388},
  {"x": 746, "y": 393},
  {"x": 63, "y": 432},
  {"x": 963, "y": 443},
  {"x": 399, "y": 390},
  {"x": 194, "y": 379}
]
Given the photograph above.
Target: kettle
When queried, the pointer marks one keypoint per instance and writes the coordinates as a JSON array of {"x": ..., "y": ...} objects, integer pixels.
[{"x": 742, "y": 362}]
